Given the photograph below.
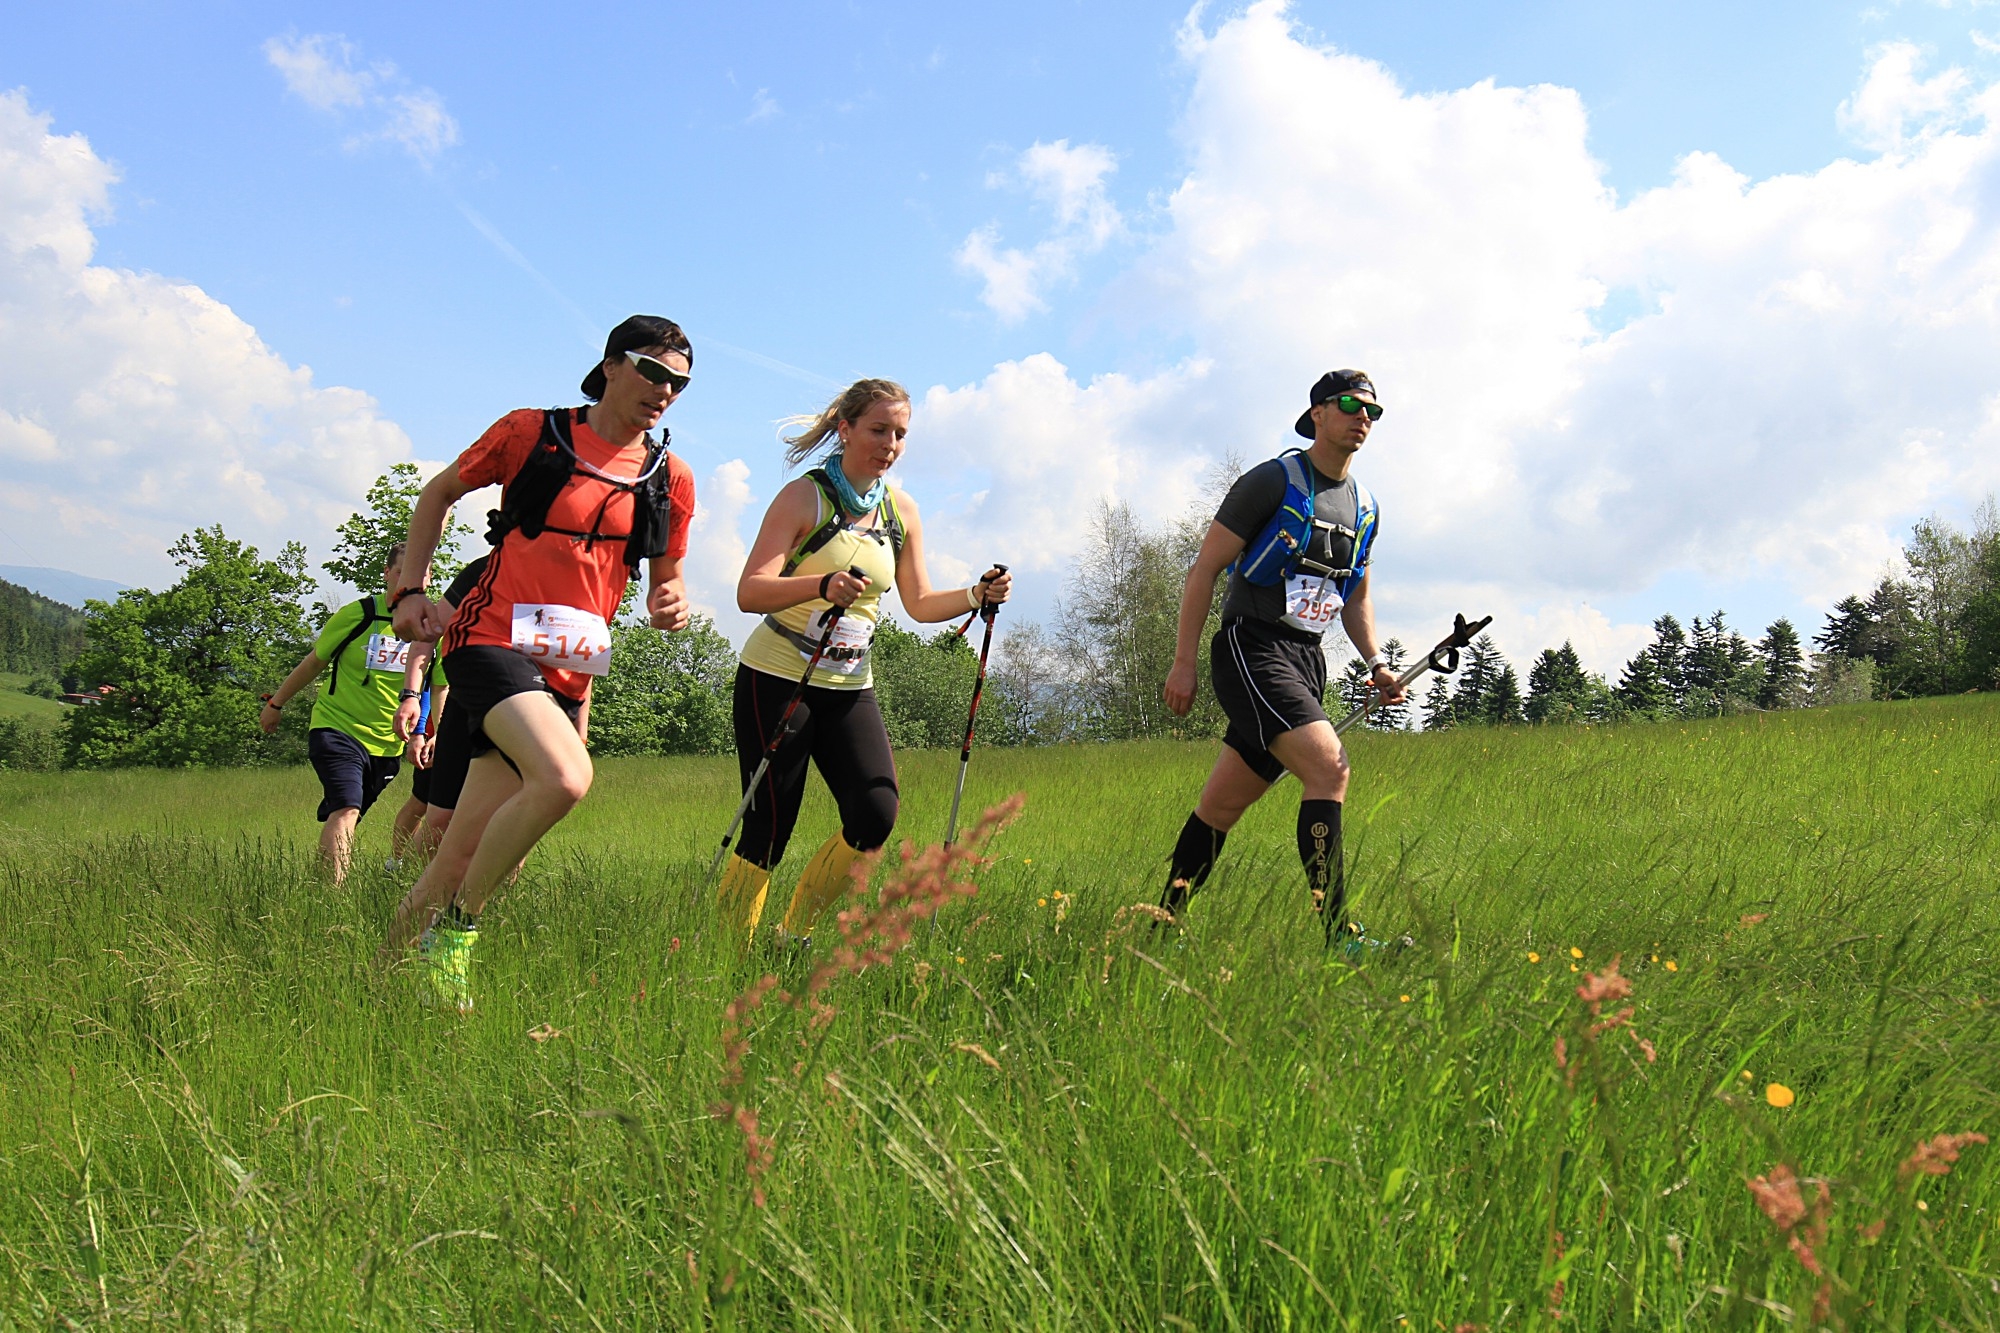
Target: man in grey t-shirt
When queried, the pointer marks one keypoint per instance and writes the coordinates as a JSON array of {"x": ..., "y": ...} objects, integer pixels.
[{"x": 1267, "y": 663}]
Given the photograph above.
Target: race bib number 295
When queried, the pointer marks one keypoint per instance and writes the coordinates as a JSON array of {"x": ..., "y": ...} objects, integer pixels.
[
  {"x": 562, "y": 637},
  {"x": 1312, "y": 604}
]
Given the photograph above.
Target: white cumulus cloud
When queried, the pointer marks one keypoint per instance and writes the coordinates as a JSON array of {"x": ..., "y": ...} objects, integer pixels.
[
  {"x": 716, "y": 550},
  {"x": 1070, "y": 182},
  {"x": 1893, "y": 98},
  {"x": 134, "y": 407},
  {"x": 1810, "y": 367},
  {"x": 325, "y": 71}
]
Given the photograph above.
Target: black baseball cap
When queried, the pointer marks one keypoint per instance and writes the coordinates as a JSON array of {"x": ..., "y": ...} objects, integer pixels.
[
  {"x": 1330, "y": 386},
  {"x": 637, "y": 332}
]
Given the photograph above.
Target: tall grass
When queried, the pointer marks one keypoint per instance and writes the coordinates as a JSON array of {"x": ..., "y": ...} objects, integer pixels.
[{"x": 213, "y": 1112}]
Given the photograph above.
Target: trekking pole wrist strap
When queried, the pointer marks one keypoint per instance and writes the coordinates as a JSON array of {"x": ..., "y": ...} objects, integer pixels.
[{"x": 824, "y": 580}]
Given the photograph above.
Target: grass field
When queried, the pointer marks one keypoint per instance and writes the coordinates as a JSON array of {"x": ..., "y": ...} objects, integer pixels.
[
  {"x": 15, "y": 702},
  {"x": 214, "y": 1113}
]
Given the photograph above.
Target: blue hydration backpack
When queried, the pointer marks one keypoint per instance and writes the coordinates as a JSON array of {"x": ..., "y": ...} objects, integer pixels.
[{"x": 1276, "y": 552}]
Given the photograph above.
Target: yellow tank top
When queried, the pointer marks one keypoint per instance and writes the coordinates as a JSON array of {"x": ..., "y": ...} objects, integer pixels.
[{"x": 783, "y": 643}]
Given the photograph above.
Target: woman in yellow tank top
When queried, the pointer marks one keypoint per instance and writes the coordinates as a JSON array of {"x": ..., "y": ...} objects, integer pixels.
[{"x": 842, "y": 515}]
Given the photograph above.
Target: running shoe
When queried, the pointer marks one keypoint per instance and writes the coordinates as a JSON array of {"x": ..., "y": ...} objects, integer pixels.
[
  {"x": 1352, "y": 943},
  {"x": 444, "y": 956}
]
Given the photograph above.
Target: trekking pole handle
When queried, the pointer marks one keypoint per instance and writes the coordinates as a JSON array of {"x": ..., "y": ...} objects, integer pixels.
[
  {"x": 1442, "y": 659},
  {"x": 987, "y": 610}
]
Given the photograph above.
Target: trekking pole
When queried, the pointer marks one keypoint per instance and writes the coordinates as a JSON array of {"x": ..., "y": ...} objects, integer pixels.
[
  {"x": 987, "y": 611},
  {"x": 778, "y": 736},
  {"x": 1442, "y": 659}
]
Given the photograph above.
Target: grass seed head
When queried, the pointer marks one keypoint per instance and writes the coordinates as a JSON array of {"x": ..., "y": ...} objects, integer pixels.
[{"x": 1934, "y": 1156}]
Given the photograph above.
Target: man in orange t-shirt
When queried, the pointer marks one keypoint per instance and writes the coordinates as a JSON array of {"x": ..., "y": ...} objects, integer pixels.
[{"x": 588, "y": 497}]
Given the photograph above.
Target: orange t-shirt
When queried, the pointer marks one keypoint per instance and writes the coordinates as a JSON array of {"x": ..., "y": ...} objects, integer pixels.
[{"x": 554, "y": 567}]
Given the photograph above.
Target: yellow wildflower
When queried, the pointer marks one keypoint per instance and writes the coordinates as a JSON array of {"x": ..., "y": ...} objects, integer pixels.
[
  {"x": 1534, "y": 957},
  {"x": 1405, "y": 999},
  {"x": 1672, "y": 966},
  {"x": 1041, "y": 902},
  {"x": 1747, "y": 1076},
  {"x": 1575, "y": 952},
  {"x": 1779, "y": 1095}
]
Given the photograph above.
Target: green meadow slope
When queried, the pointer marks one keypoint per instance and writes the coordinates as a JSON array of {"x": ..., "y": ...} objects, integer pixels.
[{"x": 215, "y": 1113}]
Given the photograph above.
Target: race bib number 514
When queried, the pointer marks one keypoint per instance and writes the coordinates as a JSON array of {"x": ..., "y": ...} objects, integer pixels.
[
  {"x": 562, "y": 637},
  {"x": 1311, "y": 603}
]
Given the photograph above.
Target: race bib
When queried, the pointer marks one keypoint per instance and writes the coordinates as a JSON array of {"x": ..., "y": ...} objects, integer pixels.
[
  {"x": 847, "y": 654},
  {"x": 387, "y": 654},
  {"x": 1312, "y": 603},
  {"x": 562, "y": 637}
]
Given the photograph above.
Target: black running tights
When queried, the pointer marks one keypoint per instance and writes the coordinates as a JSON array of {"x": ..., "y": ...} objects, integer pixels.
[{"x": 841, "y": 732}]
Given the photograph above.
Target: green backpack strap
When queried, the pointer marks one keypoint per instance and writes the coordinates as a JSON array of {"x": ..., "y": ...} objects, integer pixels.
[
  {"x": 892, "y": 518},
  {"x": 368, "y": 617},
  {"x": 892, "y": 521},
  {"x": 822, "y": 534}
]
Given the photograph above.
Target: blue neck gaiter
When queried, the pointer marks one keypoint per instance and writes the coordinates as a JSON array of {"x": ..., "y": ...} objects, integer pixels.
[{"x": 852, "y": 504}]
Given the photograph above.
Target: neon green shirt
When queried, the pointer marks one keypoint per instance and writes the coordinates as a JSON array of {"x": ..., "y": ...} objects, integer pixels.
[{"x": 358, "y": 694}]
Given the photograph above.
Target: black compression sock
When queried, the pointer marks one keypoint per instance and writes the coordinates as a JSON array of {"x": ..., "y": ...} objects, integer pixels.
[
  {"x": 1194, "y": 857},
  {"x": 1320, "y": 852},
  {"x": 455, "y": 917}
]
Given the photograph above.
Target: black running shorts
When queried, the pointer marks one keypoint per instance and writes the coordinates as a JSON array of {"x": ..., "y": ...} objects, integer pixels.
[
  {"x": 420, "y": 784},
  {"x": 1268, "y": 682},
  {"x": 451, "y": 754},
  {"x": 481, "y": 677},
  {"x": 841, "y": 732},
  {"x": 350, "y": 778}
]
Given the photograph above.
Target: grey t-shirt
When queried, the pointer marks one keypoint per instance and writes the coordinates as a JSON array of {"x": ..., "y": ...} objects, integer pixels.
[{"x": 1249, "y": 506}]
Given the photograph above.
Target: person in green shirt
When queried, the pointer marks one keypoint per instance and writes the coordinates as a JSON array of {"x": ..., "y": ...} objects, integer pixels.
[{"x": 352, "y": 744}]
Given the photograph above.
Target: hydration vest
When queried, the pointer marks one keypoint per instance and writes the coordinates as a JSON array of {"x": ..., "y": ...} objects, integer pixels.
[
  {"x": 526, "y": 499},
  {"x": 1277, "y": 551},
  {"x": 891, "y": 522}
]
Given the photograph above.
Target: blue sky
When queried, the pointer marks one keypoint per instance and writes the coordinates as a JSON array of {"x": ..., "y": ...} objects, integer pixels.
[{"x": 440, "y": 208}]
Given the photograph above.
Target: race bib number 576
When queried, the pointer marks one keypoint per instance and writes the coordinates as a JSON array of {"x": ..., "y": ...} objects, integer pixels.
[
  {"x": 387, "y": 653},
  {"x": 562, "y": 637}
]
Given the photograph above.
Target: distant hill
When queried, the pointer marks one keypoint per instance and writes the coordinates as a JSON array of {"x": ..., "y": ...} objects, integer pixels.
[
  {"x": 59, "y": 585},
  {"x": 38, "y": 636}
]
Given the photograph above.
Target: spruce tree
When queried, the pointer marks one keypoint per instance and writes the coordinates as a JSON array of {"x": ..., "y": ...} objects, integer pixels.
[
  {"x": 1558, "y": 689},
  {"x": 1393, "y": 717},
  {"x": 1640, "y": 688},
  {"x": 1503, "y": 698},
  {"x": 1437, "y": 706},
  {"x": 1845, "y": 633},
  {"x": 1669, "y": 645},
  {"x": 1784, "y": 666},
  {"x": 1477, "y": 671}
]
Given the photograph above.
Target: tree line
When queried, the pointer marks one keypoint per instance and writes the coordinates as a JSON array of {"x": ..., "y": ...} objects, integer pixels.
[{"x": 185, "y": 665}]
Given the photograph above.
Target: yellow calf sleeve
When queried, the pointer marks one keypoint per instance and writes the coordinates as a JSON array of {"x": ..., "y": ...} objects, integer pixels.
[
  {"x": 824, "y": 883},
  {"x": 739, "y": 899}
]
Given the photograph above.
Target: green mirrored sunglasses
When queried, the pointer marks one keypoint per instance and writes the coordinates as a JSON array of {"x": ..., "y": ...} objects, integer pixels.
[{"x": 1350, "y": 404}]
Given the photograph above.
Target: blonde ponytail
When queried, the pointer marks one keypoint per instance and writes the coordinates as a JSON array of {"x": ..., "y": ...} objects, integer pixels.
[{"x": 855, "y": 400}]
